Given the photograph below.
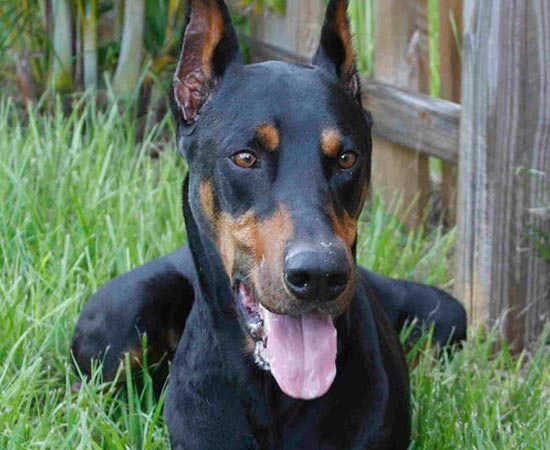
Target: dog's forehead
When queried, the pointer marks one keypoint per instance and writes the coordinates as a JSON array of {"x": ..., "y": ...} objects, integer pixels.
[{"x": 290, "y": 95}]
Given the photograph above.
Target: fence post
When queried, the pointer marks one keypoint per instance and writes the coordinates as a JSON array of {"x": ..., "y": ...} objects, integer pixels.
[
  {"x": 400, "y": 59},
  {"x": 503, "y": 269},
  {"x": 450, "y": 37}
]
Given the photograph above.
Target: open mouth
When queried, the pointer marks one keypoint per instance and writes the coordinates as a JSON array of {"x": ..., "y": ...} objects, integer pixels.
[
  {"x": 249, "y": 308},
  {"x": 300, "y": 352}
]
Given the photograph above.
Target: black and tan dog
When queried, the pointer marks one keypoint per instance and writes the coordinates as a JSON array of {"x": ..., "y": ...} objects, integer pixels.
[{"x": 280, "y": 341}]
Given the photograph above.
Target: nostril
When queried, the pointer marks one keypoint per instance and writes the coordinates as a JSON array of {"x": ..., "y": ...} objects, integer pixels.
[
  {"x": 298, "y": 278},
  {"x": 336, "y": 280},
  {"x": 316, "y": 274}
]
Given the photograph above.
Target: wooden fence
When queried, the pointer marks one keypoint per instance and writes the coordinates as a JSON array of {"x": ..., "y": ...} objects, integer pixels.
[{"x": 494, "y": 136}]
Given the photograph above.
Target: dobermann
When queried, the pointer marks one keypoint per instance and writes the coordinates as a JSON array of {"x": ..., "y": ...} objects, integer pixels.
[{"x": 279, "y": 340}]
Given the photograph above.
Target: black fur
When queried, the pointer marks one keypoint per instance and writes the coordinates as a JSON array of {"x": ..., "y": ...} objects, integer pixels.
[{"x": 218, "y": 398}]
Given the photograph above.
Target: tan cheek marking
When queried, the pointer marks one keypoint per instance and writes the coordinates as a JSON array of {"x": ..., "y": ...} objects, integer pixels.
[
  {"x": 237, "y": 234},
  {"x": 268, "y": 136},
  {"x": 247, "y": 234},
  {"x": 277, "y": 230},
  {"x": 206, "y": 194},
  {"x": 344, "y": 227},
  {"x": 222, "y": 226},
  {"x": 331, "y": 142},
  {"x": 226, "y": 244}
]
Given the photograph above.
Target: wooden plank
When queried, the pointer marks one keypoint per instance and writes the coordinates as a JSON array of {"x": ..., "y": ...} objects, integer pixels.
[
  {"x": 419, "y": 122},
  {"x": 450, "y": 71},
  {"x": 297, "y": 32},
  {"x": 263, "y": 51},
  {"x": 398, "y": 60},
  {"x": 504, "y": 177},
  {"x": 450, "y": 61}
]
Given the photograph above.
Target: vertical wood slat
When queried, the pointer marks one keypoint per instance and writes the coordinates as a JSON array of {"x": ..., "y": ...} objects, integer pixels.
[
  {"x": 400, "y": 58},
  {"x": 297, "y": 32},
  {"x": 504, "y": 162},
  {"x": 450, "y": 74}
]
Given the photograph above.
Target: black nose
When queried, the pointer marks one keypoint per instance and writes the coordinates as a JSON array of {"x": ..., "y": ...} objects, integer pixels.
[{"x": 317, "y": 275}]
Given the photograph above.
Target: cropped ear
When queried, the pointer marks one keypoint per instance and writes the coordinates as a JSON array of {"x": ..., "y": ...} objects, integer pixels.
[
  {"x": 209, "y": 47},
  {"x": 335, "y": 53}
]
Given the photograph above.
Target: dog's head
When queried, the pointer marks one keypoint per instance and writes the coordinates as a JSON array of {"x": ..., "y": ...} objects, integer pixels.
[{"x": 279, "y": 165}]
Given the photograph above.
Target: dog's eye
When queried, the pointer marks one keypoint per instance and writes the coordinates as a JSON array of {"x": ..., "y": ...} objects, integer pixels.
[
  {"x": 244, "y": 159},
  {"x": 347, "y": 160}
]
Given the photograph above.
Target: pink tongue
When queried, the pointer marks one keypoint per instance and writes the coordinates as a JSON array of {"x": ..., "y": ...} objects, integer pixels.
[{"x": 301, "y": 352}]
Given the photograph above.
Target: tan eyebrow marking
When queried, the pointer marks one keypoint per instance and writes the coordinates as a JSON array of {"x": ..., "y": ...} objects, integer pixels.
[
  {"x": 268, "y": 136},
  {"x": 331, "y": 141}
]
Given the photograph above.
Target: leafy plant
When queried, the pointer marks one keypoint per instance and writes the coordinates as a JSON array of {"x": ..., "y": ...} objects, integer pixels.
[{"x": 126, "y": 46}]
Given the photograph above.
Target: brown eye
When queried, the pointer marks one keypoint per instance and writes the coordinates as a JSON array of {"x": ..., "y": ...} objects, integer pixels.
[
  {"x": 347, "y": 160},
  {"x": 244, "y": 159}
]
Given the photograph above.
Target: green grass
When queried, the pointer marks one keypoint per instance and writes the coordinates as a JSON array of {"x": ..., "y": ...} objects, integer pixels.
[{"x": 81, "y": 201}]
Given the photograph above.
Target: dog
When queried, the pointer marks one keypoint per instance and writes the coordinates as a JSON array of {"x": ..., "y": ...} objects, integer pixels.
[{"x": 277, "y": 338}]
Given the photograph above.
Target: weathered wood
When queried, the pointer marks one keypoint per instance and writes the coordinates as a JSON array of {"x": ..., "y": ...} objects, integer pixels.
[
  {"x": 399, "y": 60},
  {"x": 419, "y": 122},
  {"x": 263, "y": 51},
  {"x": 297, "y": 32},
  {"x": 450, "y": 71},
  {"x": 504, "y": 176},
  {"x": 450, "y": 63}
]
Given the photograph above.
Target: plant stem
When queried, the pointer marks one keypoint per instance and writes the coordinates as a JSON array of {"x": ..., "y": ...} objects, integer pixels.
[
  {"x": 62, "y": 45},
  {"x": 129, "y": 62},
  {"x": 89, "y": 39}
]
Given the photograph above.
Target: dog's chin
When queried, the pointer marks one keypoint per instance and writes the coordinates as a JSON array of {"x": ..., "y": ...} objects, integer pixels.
[{"x": 298, "y": 346}]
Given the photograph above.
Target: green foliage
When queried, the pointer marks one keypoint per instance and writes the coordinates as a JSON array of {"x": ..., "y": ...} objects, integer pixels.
[
  {"x": 11, "y": 20},
  {"x": 541, "y": 240},
  {"x": 82, "y": 201},
  {"x": 259, "y": 6},
  {"x": 481, "y": 398},
  {"x": 23, "y": 26},
  {"x": 420, "y": 255},
  {"x": 433, "y": 36},
  {"x": 98, "y": 52},
  {"x": 361, "y": 20}
]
